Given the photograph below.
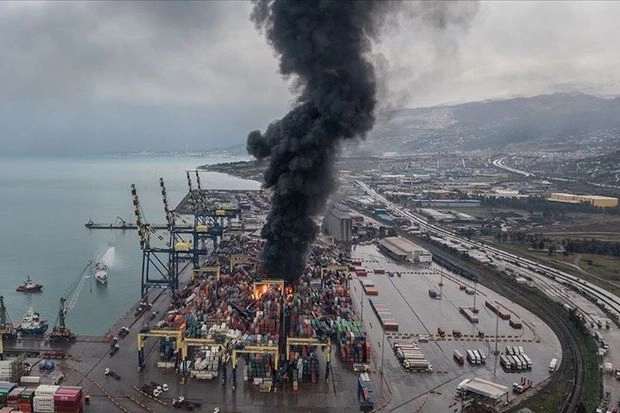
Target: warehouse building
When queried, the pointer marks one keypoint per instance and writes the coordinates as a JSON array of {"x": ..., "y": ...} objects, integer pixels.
[
  {"x": 337, "y": 223},
  {"x": 436, "y": 215},
  {"x": 477, "y": 387},
  {"x": 404, "y": 250},
  {"x": 594, "y": 200}
]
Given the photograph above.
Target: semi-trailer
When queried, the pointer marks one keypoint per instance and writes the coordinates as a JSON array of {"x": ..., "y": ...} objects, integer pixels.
[
  {"x": 458, "y": 356},
  {"x": 553, "y": 365},
  {"x": 477, "y": 356}
]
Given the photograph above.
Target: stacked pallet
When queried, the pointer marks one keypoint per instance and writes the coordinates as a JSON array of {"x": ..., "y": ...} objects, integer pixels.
[{"x": 387, "y": 320}]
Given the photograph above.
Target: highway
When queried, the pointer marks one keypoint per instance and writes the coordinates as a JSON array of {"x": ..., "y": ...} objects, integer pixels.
[
  {"x": 500, "y": 164},
  {"x": 609, "y": 302}
]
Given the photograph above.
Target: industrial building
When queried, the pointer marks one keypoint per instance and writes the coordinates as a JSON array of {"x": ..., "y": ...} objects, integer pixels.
[
  {"x": 449, "y": 203},
  {"x": 436, "y": 215},
  {"x": 404, "y": 250},
  {"x": 594, "y": 200},
  {"x": 337, "y": 223},
  {"x": 483, "y": 388}
]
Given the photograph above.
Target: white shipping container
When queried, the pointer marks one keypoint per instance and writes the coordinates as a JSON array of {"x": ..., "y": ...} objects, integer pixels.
[
  {"x": 30, "y": 380},
  {"x": 165, "y": 365},
  {"x": 43, "y": 404},
  {"x": 46, "y": 389},
  {"x": 43, "y": 399},
  {"x": 553, "y": 364}
]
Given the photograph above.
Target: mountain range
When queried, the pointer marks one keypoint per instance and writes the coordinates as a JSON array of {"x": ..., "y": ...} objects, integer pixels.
[{"x": 560, "y": 122}]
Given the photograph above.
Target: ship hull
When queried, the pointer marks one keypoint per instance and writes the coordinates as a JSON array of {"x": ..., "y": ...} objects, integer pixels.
[{"x": 33, "y": 331}]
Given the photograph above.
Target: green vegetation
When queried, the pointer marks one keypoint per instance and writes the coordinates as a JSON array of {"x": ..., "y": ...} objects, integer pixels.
[
  {"x": 547, "y": 208},
  {"x": 590, "y": 391},
  {"x": 592, "y": 382}
]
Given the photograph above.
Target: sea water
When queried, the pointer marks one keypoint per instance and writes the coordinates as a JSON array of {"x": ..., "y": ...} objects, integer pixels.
[{"x": 44, "y": 204}]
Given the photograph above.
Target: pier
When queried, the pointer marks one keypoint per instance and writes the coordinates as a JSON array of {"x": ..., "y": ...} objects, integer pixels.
[{"x": 122, "y": 226}]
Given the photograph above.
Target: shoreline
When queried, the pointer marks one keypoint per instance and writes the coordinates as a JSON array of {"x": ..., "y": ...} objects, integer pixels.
[{"x": 250, "y": 170}]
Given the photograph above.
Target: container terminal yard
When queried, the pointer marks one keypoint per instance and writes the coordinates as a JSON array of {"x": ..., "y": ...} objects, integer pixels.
[{"x": 362, "y": 330}]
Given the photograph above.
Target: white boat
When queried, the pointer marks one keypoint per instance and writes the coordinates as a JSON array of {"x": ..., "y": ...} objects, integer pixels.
[{"x": 101, "y": 273}]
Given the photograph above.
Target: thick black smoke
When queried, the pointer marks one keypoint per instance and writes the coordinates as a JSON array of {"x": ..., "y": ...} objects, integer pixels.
[{"x": 324, "y": 45}]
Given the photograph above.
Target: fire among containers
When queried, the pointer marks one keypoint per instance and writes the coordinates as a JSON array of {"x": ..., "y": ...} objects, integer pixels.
[{"x": 229, "y": 312}]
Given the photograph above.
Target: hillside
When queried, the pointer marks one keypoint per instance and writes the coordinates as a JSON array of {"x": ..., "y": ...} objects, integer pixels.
[{"x": 558, "y": 122}]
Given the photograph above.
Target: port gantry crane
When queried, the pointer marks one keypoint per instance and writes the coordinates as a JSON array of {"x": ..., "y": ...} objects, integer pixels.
[
  {"x": 157, "y": 270},
  {"x": 215, "y": 216},
  {"x": 183, "y": 245}
]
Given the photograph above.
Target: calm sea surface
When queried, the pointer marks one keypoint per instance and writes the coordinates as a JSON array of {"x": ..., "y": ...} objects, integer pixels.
[{"x": 44, "y": 204}]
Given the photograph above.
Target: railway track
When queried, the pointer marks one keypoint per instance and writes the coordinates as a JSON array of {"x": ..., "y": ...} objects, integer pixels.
[{"x": 573, "y": 364}]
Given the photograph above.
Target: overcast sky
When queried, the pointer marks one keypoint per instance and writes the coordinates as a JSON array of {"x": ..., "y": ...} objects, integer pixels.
[{"x": 115, "y": 76}]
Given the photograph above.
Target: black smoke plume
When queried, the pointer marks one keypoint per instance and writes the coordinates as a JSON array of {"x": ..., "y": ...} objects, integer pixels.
[{"x": 324, "y": 45}]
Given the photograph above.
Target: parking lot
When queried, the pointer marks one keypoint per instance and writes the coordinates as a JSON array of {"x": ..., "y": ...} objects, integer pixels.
[{"x": 407, "y": 297}]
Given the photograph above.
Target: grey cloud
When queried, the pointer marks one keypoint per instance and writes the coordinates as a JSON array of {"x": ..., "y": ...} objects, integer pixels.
[
  {"x": 193, "y": 51},
  {"x": 508, "y": 49},
  {"x": 70, "y": 70}
]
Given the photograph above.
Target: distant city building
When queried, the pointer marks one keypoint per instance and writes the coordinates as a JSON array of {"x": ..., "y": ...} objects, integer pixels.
[
  {"x": 449, "y": 203},
  {"x": 338, "y": 223},
  {"x": 594, "y": 200},
  {"x": 405, "y": 250},
  {"x": 436, "y": 215}
]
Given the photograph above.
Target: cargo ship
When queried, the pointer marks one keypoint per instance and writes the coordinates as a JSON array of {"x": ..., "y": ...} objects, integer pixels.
[
  {"x": 101, "y": 273},
  {"x": 32, "y": 324},
  {"x": 29, "y": 286}
]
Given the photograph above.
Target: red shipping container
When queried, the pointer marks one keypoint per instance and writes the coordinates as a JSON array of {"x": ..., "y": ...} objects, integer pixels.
[
  {"x": 25, "y": 406},
  {"x": 13, "y": 397},
  {"x": 67, "y": 409}
]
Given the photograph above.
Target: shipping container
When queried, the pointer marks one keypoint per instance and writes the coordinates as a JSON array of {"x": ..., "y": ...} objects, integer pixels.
[
  {"x": 458, "y": 356},
  {"x": 470, "y": 357},
  {"x": 553, "y": 365},
  {"x": 477, "y": 356},
  {"x": 515, "y": 323},
  {"x": 469, "y": 314}
]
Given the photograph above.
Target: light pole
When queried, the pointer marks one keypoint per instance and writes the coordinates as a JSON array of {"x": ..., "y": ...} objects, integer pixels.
[
  {"x": 496, "y": 352},
  {"x": 382, "y": 352},
  {"x": 441, "y": 284},
  {"x": 475, "y": 291},
  {"x": 361, "y": 301}
]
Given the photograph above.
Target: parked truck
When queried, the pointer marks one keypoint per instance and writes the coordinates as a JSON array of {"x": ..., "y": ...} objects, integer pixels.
[
  {"x": 553, "y": 365},
  {"x": 458, "y": 356}
]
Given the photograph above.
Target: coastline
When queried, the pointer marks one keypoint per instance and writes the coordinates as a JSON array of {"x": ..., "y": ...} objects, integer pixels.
[{"x": 250, "y": 170}]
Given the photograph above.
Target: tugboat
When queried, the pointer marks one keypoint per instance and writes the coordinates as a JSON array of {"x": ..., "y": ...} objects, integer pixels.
[
  {"x": 32, "y": 324},
  {"x": 101, "y": 273},
  {"x": 29, "y": 286}
]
